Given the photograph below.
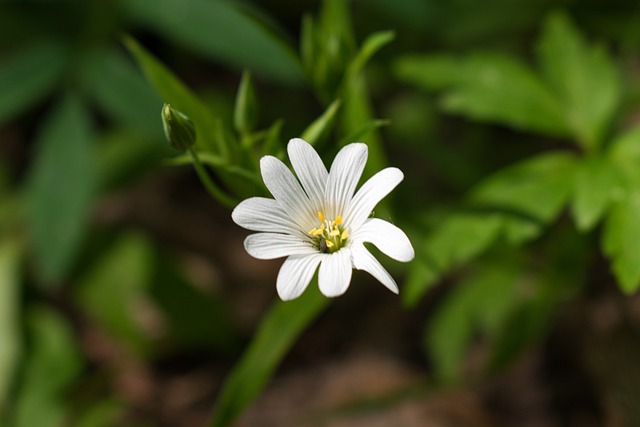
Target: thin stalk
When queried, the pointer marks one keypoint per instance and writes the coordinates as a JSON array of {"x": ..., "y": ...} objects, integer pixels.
[{"x": 211, "y": 187}]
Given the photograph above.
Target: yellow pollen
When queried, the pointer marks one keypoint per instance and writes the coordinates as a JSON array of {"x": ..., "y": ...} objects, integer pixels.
[
  {"x": 329, "y": 243},
  {"x": 344, "y": 235},
  {"x": 315, "y": 232},
  {"x": 339, "y": 219},
  {"x": 320, "y": 216},
  {"x": 334, "y": 232}
]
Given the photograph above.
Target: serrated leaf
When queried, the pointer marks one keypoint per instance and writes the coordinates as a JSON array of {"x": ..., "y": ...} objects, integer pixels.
[
  {"x": 584, "y": 78},
  {"x": 490, "y": 88},
  {"x": 61, "y": 188},
  {"x": 278, "y": 330},
  {"x": 10, "y": 335},
  {"x": 523, "y": 325},
  {"x": 461, "y": 237},
  {"x": 111, "y": 292},
  {"x": 179, "y": 96},
  {"x": 477, "y": 305},
  {"x": 597, "y": 183},
  {"x": 624, "y": 153},
  {"x": 621, "y": 241},
  {"x": 28, "y": 76},
  {"x": 537, "y": 187},
  {"x": 457, "y": 239},
  {"x": 220, "y": 30}
]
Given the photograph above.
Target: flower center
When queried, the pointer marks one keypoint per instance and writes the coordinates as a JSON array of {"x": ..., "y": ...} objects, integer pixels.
[{"x": 330, "y": 236}]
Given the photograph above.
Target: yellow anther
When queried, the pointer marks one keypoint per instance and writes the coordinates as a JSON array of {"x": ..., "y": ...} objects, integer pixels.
[
  {"x": 320, "y": 216},
  {"x": 339, "y": 219},
  {"x": 315, "y": 232},
  {"x": 329, "y": 243},
  {"x": 335, "y": 232},
  {"x": 344, "y": 235}
]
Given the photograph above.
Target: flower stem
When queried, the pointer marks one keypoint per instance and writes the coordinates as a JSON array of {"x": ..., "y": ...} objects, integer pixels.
[{"x": 211, "y": 187}]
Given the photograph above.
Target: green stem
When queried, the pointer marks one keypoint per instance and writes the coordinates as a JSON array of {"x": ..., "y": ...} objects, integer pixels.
[{"x": 211, "y": 187}]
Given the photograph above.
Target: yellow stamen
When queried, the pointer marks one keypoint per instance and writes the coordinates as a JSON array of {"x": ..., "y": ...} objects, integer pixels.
[
  {"x": 315, "y": 232},
  {"x": 329, "y": 243},
  {"x": 334, "y": 232},
  {"x": 344, "y": 235},
  {"x": 339, "y": 219},
  {"x": 320, "y": 216}
]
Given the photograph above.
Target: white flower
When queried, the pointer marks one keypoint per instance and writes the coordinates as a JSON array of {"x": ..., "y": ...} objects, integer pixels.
[{"x": 317, "y": 220}]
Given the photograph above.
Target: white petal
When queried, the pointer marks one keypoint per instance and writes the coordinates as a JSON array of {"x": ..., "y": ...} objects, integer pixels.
[
  {"x": 363, "y": 260},
  {"x": 335, "y": 273},
  {"x": 391, "y": 240},
  {"x": 287, "y": 191},
  {"x": 262, "y": 214},
  {"x": 274, "y": 245},
  {"x": 309, "y": 168},
  {"x": 344, "y": 175},
  {"x": 370, "y": 194},
  {"x": 295, "y": 275}
]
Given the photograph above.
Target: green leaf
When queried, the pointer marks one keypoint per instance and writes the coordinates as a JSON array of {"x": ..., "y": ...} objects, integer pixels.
[
  {"x": 359, "y": 133},
  {"x": 490, "y": 88},
  {"x": 624, "y": 153},
  {"x": 597, "y": 182},
  {"x": 126, "y": 155},
  {"x": 327, "y": 48},
  {"x": 430, "y": 72},
  {"x": 524, "y": 324},
  {"x": 174, "y": 92},
  {"x": 113, "y": 289},
  {"x": 61, "y": 188},
  {"x": 479, "y": 304},
  {"x": 459, "y": 238},
  {"x": 371, "y": 45},
  {"x": 279, "y": 329},
  {"x": 52, "y": 365},
  {"x": 420, "y": 278},
  {"x": 220, "y": 30},
  {"x": 104, "y": 413},
  {"x": 122, "y": 92},
  {"x": 320, "y": 127},
  {"x": 516, "y": 202},
  {"x": 10, "y": 335},
  {"x": 621, "y": 241},
  {"x": 245, "y": 116},
  {"x": 29, "y": 76},
  {"x": 537, "y": 188},
  {"x": 583, "y": 77},
  {"x": 357, "y": 111}
]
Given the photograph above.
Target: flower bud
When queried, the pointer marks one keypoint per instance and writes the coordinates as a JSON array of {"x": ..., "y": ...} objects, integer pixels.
[{"x": 178, "y": 128}]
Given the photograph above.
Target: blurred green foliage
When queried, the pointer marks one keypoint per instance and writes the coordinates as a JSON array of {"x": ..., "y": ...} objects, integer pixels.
[{"x": 514, "y": 123}]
